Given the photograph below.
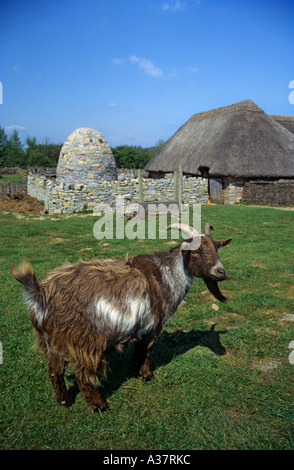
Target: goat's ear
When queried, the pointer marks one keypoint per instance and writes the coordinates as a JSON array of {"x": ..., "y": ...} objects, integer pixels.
[{"x": 222, "y": 243}]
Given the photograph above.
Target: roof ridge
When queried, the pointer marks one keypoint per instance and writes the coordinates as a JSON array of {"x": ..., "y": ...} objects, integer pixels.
[
  {"x": 281, "y": 118},
  {"x": 245, "y": 105}
]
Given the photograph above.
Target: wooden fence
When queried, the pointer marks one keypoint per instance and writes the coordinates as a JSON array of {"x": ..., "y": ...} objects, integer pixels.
[
  {"x": 8, "y": 188},
  {"x": 22, "y": 173}
]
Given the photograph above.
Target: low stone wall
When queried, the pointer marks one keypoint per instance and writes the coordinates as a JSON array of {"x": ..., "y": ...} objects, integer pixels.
[
  {"x": 43, "y": 170},
  {"x": 75, "y": 197},
  {"x": 39, "y": 187},
  {"x": 279, "y": 193}
]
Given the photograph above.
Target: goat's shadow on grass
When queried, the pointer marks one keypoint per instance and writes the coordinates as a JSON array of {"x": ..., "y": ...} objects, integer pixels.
[{"x": 166, "y": 347}]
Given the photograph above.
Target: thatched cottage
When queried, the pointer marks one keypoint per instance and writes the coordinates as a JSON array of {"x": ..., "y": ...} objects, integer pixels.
[{"x": 239, "y": 148}]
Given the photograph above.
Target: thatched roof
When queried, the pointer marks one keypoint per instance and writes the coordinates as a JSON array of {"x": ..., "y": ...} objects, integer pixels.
[
  {"x": 239, "y": 140},
  {"x": 286, "y": 121}
]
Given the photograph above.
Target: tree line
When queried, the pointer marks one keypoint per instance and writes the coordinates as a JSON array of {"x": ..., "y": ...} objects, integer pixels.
[{"x": 13, "y": 153}]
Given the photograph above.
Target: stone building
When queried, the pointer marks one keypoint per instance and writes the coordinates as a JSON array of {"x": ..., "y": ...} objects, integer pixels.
[{"x": 86, "y": 158}]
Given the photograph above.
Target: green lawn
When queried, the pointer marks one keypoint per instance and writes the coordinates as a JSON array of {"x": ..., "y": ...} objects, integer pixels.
[
  {"x": 200, "y": 398},
  {"x": 12, "y": 179}
]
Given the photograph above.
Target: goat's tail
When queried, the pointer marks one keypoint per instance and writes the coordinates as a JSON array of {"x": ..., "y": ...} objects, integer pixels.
[{"x": 26, "y": 276}]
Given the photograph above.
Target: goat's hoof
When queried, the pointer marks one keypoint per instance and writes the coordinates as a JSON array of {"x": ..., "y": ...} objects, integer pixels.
[
  {"x": 101, "y": 407},
  {"x": 148, "y": 375},
  {"x": 66, "y": 403}
]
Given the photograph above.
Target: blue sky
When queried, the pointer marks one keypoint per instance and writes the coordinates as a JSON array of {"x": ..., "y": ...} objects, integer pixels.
[{"x": 136, "y": 70}]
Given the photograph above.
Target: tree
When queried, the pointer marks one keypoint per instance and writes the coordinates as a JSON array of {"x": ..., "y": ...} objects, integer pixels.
[
  {"x": 3, "y": 143},
  {"x": 52, "y": 151},
  {"x": 14, "y": 152},
  {"x": 128, "y": 156},
  {"x": 35, "y": 155}
]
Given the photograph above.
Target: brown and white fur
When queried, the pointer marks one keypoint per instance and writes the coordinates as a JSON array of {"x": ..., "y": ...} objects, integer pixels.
[{"x": 80, "y": 311}]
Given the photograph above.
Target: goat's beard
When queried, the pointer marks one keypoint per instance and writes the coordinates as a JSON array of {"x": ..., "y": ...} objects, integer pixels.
[{"x": 212, "y": 286}]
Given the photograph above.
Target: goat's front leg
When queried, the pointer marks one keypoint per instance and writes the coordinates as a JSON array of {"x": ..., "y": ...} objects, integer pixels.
[{"x": 142, "y": 357}]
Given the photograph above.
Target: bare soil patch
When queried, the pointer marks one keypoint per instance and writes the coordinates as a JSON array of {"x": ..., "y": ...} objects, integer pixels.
[{"x": 20, "y": 203}]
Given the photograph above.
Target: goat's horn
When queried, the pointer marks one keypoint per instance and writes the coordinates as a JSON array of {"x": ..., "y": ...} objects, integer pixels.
[
  {"x": 207, "y": 228},
  {"x": 186, "y": 229}
]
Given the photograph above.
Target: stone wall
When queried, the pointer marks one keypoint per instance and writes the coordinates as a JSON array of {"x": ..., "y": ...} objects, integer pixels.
[
  {"x": 279, "y": 193},
  {"x": 60, "y": 198},
  {"x": 47, "y": 171},
  {"x": 39, "y": 186},
  {"x": 232, "y": 191}
]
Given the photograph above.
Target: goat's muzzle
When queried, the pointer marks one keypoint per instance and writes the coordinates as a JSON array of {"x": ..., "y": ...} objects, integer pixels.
[{"x": 218, "y": 272}]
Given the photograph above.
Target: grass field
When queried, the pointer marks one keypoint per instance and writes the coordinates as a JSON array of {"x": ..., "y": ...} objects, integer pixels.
[
  {"x": 11, "y": 179},
  {"x": 200, "y": 398}
]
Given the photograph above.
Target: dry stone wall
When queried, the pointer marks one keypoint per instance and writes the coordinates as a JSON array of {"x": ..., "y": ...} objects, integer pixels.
[
  {"x": 232, "y": 191},
  {"x": 61, "y": 198}
]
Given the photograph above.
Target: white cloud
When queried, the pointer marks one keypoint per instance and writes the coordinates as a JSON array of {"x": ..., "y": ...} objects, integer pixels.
[
  {"x": 118, "y": 61},
  {"x": 15, "y": 127},
  {"x": 113, "y": 104},
  {"x": 176, "y": 5},
  {"x": 192, "y": 69},
  {"x": 147, "y": 65}
]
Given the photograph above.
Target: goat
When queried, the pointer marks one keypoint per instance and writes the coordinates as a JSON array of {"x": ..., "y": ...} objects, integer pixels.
[{"x": 80, "y": 311}]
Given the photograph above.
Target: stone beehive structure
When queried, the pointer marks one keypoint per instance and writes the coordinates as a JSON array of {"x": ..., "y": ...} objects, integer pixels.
[{"x": 85, "y": 158}]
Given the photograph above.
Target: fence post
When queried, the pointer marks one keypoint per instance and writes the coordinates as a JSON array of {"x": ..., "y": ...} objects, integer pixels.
[
  {"x": 141, "y": 192},
  {"x": 176, "y": 185},
  {"x": 180, "y": 184}
]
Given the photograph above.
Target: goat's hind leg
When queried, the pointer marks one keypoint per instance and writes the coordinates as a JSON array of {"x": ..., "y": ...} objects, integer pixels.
[{"x": 56, "y": 374}]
